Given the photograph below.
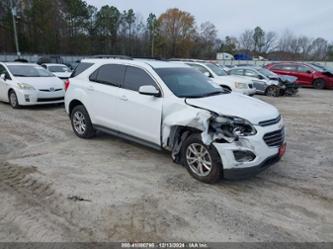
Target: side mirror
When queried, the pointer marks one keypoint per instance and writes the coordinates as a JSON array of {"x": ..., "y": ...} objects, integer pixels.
[
  {"x": 309, "y": 71},
  {"x": 3, "y": 76},
  {"x": 260, "y": 77},
  {"x": 149, "y": 90},
  {"x": 44, "y": 66},
  {"x": 207, "y": 74}
]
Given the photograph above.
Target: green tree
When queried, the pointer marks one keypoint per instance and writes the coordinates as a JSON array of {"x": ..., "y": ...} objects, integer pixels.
[
  {"x": 259, "y": 39},
  {"x": 108, "y": 22},
  {"x": 152, "y": 27}
]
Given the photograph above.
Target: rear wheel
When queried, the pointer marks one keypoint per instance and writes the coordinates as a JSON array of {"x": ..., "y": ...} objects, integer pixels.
[
  {"x": 202, "y": 161},
  {"x": 81, "y": 122},
  {"x": 319, "y": 84},
  {"x": 13, "y": 101},
  {"x": 273, "y": 91}
]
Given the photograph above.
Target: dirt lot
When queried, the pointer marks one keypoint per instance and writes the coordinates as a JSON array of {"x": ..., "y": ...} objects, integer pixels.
[{"x": 57, "y": 187}]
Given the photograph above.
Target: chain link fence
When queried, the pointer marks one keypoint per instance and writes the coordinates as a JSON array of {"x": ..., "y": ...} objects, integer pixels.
[{"x": 74, "y": 58}]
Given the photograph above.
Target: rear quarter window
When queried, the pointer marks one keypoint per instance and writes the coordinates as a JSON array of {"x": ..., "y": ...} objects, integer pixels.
[{"x": 81, "y": 68}]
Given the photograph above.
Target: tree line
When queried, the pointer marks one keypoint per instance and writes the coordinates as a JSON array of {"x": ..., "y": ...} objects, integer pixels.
[{"x": 74, "y": 27}]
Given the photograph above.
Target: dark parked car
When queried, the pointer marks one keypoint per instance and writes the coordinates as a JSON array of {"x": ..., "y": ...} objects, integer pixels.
[{"x": 307, "y": 74}]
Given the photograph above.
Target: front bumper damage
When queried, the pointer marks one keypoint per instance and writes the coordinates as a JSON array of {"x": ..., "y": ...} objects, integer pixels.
[{"x": 227, "y": 145}]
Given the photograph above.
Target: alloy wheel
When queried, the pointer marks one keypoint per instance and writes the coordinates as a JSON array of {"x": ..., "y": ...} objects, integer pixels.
[
  {"x": 79, "y": 123},
  {"x": 198, "y": 159},
  {"x": 13, "y": 99}
]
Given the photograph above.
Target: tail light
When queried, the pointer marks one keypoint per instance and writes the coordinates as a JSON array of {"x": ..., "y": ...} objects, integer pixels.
[{"x": 66, "y": 84}]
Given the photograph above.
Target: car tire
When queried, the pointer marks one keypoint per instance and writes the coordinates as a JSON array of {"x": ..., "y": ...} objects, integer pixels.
[
  {"x": 208, "y": 166},
  {"x": 272, "y": 91},
  {"x": 13, "y": 100},
  {"x": 81, "y": 122},
  {"x": 319, "y": 84}
]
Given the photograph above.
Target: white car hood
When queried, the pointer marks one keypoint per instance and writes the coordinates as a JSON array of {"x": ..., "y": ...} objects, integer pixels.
[
  {"x": 234, "y": 104},
  {"x": 62, "y": 74},
  {"x": 42, "y": 82}
]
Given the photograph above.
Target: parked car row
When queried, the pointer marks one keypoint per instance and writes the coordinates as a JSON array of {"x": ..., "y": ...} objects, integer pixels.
[
  {"x": 168, "y": 106},
  {"x": 309, "y": 75}
]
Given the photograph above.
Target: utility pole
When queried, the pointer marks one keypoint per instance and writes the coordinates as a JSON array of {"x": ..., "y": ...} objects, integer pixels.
[{"x": 14, "y": 13}]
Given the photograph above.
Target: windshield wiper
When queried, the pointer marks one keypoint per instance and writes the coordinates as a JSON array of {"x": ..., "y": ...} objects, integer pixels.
[
  {"x": 205, "y": 95},
  {"x": 21, "y": 75}
]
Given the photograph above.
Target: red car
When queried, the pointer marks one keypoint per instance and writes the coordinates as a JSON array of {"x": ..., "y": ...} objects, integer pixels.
[{"x": 307, "y": 74}]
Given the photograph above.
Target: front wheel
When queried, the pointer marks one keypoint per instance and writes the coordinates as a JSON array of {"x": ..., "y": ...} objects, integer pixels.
[
  {"x": 13, "y": 100},
  {"x": 319, "y": 84},
  {"x": 203, "y": 162},
  {"x": 273, "y": 91},
  {"x": 81, "y": 122}
]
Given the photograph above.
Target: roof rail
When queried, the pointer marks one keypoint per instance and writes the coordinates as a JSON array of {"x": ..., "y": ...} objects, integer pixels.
[
  {"x": 151, "y": 58},
  {"x": 111, "y": 56},
  {"x": 188, "y": 60}
]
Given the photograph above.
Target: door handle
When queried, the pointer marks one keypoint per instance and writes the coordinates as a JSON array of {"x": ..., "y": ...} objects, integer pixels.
[
  {"x": 123, "y": 98},
  {"x": 91, "y": 88}
]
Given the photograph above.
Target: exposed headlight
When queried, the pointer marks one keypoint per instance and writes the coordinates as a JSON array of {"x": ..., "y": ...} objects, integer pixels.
[
  {"x": 25, "y": 86},
  {"x": 241, "y": 85},
  {"x": 234, "y": 126},
  {"x": 282, "y": 85}
]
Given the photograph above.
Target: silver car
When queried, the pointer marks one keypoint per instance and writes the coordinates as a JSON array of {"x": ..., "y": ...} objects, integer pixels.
[{"x": 266, "y": 82}]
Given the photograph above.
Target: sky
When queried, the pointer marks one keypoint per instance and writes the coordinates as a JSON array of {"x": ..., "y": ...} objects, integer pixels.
[{"x": 232, "y": 17}]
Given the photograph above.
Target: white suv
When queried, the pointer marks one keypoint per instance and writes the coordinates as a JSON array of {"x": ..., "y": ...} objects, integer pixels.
[
  {"x": 218, "y": 75},
  {"x": 171, "y": 106}
]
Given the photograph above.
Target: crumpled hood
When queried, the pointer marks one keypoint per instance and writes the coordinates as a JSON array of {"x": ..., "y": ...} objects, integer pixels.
[
  {"x": 42, "y": 82},
  {"x": 234, "y": 104}
]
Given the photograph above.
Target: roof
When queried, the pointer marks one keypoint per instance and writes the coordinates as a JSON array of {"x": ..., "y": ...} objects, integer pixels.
[
  {"x": 247, "y": 67},
  {"x": 138, "y": 62},
  {"x": 54, "y": 64},
  {"x": 20, "y": 64}
]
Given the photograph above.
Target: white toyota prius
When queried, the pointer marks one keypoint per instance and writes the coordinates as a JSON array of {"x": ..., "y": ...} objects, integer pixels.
[{"x": 23, "y": 84}]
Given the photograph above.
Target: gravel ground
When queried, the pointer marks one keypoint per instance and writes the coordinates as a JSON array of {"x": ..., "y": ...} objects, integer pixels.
[{"x": 57, "y": 187}]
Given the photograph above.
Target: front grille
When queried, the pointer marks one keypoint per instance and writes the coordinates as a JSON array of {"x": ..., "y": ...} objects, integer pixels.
[
  {"x": 49, "y": 99},
  {"x": 251, "y": 86},
  {"x": 48, "y": 90},
  {"x": 270, "y": 122},
  {"x": 275, "y": 138}
]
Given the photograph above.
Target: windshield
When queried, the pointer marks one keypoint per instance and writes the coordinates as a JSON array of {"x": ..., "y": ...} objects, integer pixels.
[
  {"x": 319, "y": 68},
  {"x": 267, "y": 73},
  {"x": 29, "y": 71},
  {"x": 216, "y": 69},
  {"x": 58, "y": 69},
  {"x": 188, "y": 82}
]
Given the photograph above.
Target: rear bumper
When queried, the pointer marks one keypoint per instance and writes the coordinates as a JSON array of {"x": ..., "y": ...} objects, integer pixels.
[{"x": 244, "y": 173}]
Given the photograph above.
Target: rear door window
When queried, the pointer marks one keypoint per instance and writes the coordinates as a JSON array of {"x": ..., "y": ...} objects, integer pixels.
[
  {"x": 137, "y": 77},
  {"x": 109, "y": 74},
  {"x": 237, "y": 72},
  {"x": 251, "y": 73}
]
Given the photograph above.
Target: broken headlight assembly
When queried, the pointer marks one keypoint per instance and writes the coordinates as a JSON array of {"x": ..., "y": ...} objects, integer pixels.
[{"x": 233, "y": 127}]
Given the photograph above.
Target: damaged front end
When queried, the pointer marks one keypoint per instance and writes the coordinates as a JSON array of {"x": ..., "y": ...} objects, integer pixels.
[
  {"x": 212, "y": 127},
  {"x": 288, "y": 85}
]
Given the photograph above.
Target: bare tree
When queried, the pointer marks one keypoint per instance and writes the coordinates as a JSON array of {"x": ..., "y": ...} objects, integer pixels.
[
  {"x": 246, "y": 40},
  {"x": 319, "y": 49},
  {"x": 269, "y": 42}
]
